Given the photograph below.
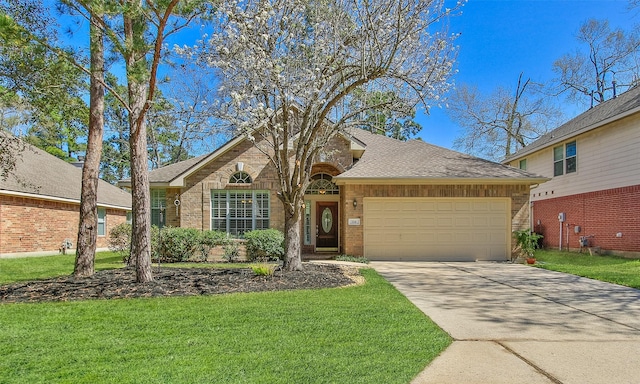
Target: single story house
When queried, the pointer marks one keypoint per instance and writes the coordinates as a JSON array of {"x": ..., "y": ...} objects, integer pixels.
[
  {"x": 370, "y": 196},
  {"x": 40, "y": 206},
  {"x": 593, "y": 163}
]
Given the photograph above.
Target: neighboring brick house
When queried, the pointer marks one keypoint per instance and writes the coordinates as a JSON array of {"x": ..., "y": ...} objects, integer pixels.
[
  {"x": 370, "y": 196},
  {"x": 593, "y": 161},
  {"x": 40, "y": 206}
]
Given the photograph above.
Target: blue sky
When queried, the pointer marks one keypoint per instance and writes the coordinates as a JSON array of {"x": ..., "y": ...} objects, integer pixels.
[{"x": 501, "y": 38}]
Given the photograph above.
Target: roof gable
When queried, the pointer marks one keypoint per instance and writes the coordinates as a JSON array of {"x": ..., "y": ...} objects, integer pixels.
[
  {"x": 611, "y": 110},
  {"x": 380, "y": 158},
  {"x": 174, "y": 175}
]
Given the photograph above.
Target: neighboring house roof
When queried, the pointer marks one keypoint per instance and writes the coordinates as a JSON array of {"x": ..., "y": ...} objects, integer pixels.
[
  {"x": 40, "y": 175},
  {"x": 611, "y": 110},
  {"x": 383, "y": 159},
  {"x": 386, "y": 158}
]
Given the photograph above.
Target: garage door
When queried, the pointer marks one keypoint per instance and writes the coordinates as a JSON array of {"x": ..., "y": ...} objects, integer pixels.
[{"x": 437, "y": 229}]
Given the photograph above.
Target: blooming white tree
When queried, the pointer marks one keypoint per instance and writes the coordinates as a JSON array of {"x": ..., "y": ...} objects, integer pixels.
[{"x": 287, "y": 68}]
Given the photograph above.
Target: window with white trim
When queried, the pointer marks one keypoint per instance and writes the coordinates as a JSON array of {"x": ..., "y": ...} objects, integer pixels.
[
  {"x": 237, "y": 212},
  {"x": 523, "y": 164},
  {"x": 240, "y": 178},
  {"x": 322, "y": 184},
  {"x": 102, "y": 221},
  {"x": 565, "y": 159},
  {"x": 158, "y": 206}
]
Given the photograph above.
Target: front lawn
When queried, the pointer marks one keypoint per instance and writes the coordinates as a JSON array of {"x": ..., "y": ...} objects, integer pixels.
[
  {"x": 611, "y": 269},
  {"x": 362, "y": 334},
  {"x": 34, "y": 268}
]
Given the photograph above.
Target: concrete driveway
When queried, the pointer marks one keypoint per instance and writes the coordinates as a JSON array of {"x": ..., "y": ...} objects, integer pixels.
[{"x": 514, "y": 323}]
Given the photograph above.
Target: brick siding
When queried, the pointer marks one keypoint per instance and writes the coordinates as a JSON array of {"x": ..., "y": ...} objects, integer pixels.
[
  {"x": 33, "y": 225},
  {"x": 600, "y": 214},
  {"x": 196, "y": 196}
]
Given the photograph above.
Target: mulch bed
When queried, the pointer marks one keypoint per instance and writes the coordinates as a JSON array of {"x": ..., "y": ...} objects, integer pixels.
[{"x": 120, "y": 283}]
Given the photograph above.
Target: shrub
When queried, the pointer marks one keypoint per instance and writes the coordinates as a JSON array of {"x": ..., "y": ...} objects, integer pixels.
[
  {"x": 354, "y": 259},
  {"x": 169, "y": 245},
  {"x": 209, "y": 240},
  {"x": 231, "y": 252},
  {"x": 120, "y": 240},
  {"x": 264, "y": 244},
  {"x": 178, "y": 244}
]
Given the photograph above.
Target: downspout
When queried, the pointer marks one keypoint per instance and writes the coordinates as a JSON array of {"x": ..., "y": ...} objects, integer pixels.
[
  {"x": 561, "y": 225},
  {"x": 202, "y": 208},
  {"x": 531, "y": 223}
]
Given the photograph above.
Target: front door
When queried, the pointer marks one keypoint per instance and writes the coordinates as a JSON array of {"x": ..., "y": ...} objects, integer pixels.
[{"x": 327, "y": 225}]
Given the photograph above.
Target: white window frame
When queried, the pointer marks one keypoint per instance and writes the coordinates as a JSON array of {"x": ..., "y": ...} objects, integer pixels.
[
  {"x": 322, "y": 184},
  {"x": 561, "y": 159},
  {"x": 102, "y": 221},
  {"x": 158, "y": 207},
  {"x": 240, "y": 177},
  {"x": 522, "y": 164},
  {"x": 238, "y": 211}
]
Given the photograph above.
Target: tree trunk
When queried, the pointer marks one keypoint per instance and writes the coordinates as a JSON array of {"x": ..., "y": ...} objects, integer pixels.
[
  {"x": 138, "y": 86},
  {"x": 141, "y": 231},
  {"x": 88, "y": 227},
  {"x": 292, "y": 224}
]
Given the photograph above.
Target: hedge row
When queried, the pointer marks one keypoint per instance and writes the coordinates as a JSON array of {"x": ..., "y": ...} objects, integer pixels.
[{"x": 171, "y": 245}]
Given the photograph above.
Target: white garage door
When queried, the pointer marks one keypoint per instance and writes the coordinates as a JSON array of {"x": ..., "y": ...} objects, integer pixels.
[{"x": 437, "y": 229}]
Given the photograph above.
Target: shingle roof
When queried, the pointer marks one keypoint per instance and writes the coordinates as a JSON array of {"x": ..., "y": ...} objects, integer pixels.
[
  {"x": 387, "y": 158},
  {"x": 170, "y": 172},
  {"x": 612, "y": 109},
  {"x": 43, "y": 174},
  {"x": 393, "y": 159}
]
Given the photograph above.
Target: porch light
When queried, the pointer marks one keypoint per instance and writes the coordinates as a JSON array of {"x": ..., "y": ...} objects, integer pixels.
[{"x": 355, "y": 203}]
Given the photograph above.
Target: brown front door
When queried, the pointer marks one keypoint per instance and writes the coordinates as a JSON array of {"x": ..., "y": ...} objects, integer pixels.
[{"x": 327, "y": 224}]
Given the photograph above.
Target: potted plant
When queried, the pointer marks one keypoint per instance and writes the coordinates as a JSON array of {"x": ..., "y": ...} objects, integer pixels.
[{"x": 527, "y": 242}]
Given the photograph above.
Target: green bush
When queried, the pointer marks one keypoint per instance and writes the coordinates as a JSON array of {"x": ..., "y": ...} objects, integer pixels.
[
  {"x": 171, "y": 245},
  {"x": 120, "y": 240},
  {"x": 264, "y": 244},
  {"x": 178, "y": 244},
  {"x": 231, "y": 252},
  {"x": 209, "y": 240}
]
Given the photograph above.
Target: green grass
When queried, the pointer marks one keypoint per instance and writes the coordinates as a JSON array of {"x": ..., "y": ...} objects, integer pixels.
[
  {"x": 33, "y": 268},
  {"x": 611, "y": 269},
  {"x": 363, "y": 334}
]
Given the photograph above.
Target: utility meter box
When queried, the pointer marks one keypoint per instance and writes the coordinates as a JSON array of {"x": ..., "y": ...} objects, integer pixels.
[{"x": 561, "y": 217}]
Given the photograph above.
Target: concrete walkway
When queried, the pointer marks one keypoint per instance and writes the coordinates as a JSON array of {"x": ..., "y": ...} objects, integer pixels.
[{"x": 513, "y": 323}]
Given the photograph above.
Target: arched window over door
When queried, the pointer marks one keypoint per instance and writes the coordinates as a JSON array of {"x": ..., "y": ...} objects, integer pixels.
[{"x": 321, "y": 184}]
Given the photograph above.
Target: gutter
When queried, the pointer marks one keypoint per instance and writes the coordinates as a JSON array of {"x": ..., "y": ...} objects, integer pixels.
[
  {"x": 437, "y": 181},
  {"x": 58, "y": 199},
  {"x": 573, "y": 134}
]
